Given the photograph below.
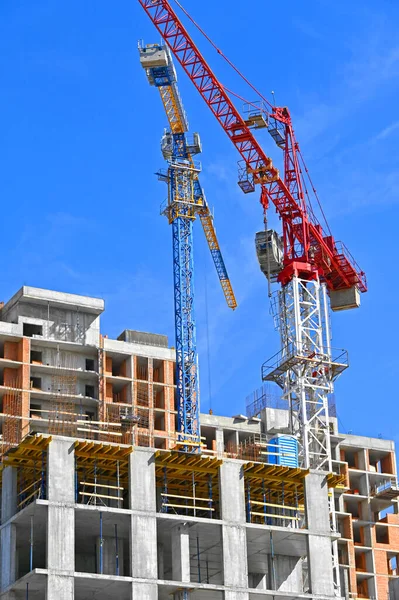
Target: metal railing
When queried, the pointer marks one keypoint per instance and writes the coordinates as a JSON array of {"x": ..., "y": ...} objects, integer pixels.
[{"x": 294, "y": 351}]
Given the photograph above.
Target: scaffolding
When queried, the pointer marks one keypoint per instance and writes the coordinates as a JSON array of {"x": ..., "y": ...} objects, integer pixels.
[
  {"x": 101, "y": 474},
  {"x": 275, "y": 495},
  {"x": 30, "y": 460},
  {"x": 188, "y": 484},
  {"x": 119, "y": 425},
  {"x": 15, "y": 423},
  {"x": 12, "y": 430},
  {"x": 265, "y": 397}
]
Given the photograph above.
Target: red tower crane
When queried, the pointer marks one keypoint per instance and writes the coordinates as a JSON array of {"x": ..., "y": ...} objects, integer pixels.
[
  {"x": 313, "y": 270},
  {"x": 308, "y": 250}
]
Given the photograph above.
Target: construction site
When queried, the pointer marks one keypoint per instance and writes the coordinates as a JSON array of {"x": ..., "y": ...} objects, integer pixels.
[{"x": 113, "y": 482}]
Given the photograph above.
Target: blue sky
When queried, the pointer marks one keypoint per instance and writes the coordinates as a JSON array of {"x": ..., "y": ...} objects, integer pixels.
[{"x": 80, "y": 144}]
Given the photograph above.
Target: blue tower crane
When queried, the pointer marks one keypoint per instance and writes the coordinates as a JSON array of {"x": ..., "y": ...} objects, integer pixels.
[{"x": 186, "y": 200}]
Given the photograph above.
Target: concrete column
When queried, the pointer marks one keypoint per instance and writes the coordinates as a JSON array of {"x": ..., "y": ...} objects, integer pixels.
[
  {"x": 142, "y": 494},
  {"x": 8, "y": 494},
  {"x": 161, "y": 562},
  {"x": 8, "y": 535},
  {"x": 61, "y": 520},
  {"x": 144, "y": 591},
  {"x": 232, "y": 595},
  {"x": 181, "y": 553},
  {"x": 232, "y": 498},
  {"x": 319, "y": 539},
  {"x": 8, "y": 556},
  {"x": 219, "y": 443}
]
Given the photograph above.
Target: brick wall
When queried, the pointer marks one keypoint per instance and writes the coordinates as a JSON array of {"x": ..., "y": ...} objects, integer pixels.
[
  {"x": 352, "y": 568},
  {"x": 12, "y": 350},
  {"x": 388, "y": 464},
  {"x": 25, "y": 357},
  {"x": 381, "y": 569}
]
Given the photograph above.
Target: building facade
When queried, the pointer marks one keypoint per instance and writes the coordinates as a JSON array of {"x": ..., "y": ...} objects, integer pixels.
[{"x": 97, "y": 500}]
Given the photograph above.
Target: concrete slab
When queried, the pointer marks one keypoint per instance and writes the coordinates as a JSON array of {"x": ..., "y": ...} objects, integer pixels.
[
  {"x": 102, "y": 587},
  {"x": 286, "y": 542},
  {"x": 36, "y": 295}
]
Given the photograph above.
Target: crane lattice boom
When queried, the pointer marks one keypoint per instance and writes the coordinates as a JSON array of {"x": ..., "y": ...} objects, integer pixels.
[{"x": 308, "y": 251}]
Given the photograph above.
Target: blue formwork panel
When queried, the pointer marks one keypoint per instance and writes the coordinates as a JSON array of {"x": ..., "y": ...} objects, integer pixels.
[{"x": 283, "y": 450}]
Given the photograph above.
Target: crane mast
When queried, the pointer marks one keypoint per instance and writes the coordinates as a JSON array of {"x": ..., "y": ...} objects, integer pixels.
[
  {"x": 186, "y": 200},
  {"x": 306, "y": 366}
]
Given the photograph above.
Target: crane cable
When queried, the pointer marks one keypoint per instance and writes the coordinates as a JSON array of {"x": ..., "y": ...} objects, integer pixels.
[
  {"x": 232, "y": 65},
  {"x": 314, "y": 190}
]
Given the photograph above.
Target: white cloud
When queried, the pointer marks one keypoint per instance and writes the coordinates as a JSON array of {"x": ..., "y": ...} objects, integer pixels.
[{"x": 387, "y": 131}]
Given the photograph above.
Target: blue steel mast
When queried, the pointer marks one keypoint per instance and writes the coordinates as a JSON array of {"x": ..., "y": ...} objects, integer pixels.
[{"x": 185, "y": 200}]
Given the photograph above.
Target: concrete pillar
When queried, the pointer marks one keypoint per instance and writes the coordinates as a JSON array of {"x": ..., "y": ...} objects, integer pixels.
[
  {"x": 144, "y": 591},
  {"x": 232, "y": 595},
  {"x": 8, "y": 556},
  {"x": 219, "y": 443},
  {"x": 320, "y": 561},
  {"x": 181, "y": 553},
  {"x": 161, "y": 562},
  {"x": 232, "y": 496},
  {"x": 142, "y": 495},
  {"x": 8, "y": 494},
  {"x": 8, "y": 535},
  {"x": 232, "y": 499},
  {"x": 61, "y": 520}
]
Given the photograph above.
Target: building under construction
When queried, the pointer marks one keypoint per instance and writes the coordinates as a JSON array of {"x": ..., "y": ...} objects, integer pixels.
[
  {"x": 113, "y": 485},
  {"x": 99, "y": 501}
]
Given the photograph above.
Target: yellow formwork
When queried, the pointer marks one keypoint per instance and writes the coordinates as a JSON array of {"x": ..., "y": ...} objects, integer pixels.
[{"x": 189, "y": 483}]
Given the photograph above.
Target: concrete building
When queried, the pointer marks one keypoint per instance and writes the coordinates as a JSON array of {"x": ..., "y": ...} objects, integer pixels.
[{"x": 97, "y": 501}]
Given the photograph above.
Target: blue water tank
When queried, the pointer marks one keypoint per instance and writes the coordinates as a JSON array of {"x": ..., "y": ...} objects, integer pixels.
[{"x": 283, "y": 450}]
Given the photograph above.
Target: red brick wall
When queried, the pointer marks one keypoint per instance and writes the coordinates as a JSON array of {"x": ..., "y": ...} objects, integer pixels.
[
  {"x": 169, "y": 368},
  {"x": 347, "y": 527},
  {"x": 344, "y": 470},
  {"x": 108, "y": 392},
  {"x": 381, "y": 556},
  {"x": 11, "y": 350},
  {"x": 25, "y": 372},
  {"x": 108, "y": 365},
  {"x": 352, "y": 569},
  {"x": 387, "y": 464},
  {"x": 381, "y": 569}
]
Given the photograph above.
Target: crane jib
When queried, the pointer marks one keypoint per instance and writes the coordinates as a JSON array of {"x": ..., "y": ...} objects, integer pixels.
[{"x": 334, "y": 265}]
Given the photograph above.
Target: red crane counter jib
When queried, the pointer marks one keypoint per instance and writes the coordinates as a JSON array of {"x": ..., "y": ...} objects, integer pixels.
[{"x": 307, "y": 249}]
